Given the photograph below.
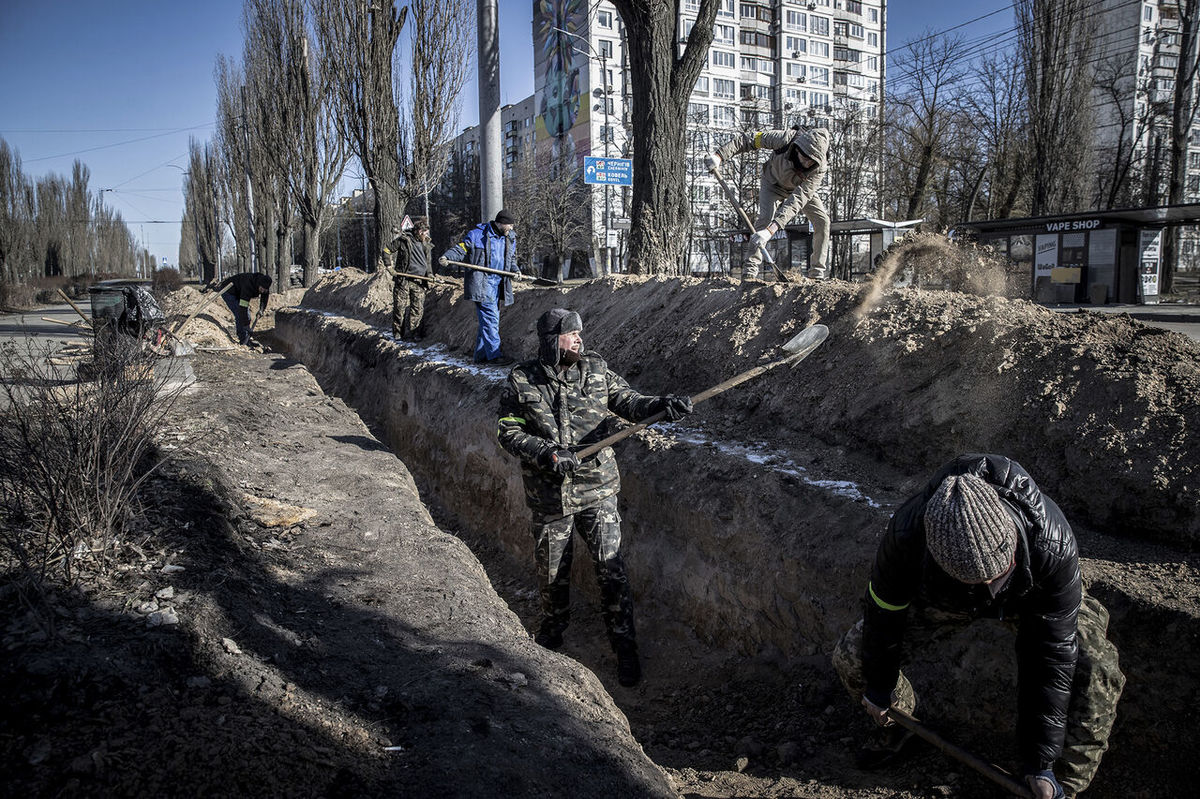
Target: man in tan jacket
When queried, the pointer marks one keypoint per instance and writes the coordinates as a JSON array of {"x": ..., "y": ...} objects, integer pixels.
[{"x": 789, "y": 184}]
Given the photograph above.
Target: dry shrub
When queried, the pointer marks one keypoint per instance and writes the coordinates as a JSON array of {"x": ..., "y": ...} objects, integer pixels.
[
  {"x": 17, "y": 296},
  {"x": 72, "y": 456}
]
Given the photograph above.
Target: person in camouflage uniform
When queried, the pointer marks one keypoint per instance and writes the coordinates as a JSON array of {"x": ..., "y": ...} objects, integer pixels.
[
  {"x": 553, "y": 406},
  {"x": 982, "y": 541},
  {"x": 413, "y": 249}
]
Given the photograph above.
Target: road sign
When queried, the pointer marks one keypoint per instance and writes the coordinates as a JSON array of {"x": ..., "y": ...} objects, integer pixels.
[{"x": 608, "y": 171}]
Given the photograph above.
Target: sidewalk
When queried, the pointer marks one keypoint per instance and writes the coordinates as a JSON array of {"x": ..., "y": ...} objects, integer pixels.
[{"x": 1174, "y": 316}]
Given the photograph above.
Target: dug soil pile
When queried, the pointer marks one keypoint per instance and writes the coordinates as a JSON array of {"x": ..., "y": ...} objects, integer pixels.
[{"x": 334, "y": 640}]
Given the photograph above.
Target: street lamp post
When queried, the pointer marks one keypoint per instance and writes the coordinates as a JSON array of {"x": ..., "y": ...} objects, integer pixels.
[{"x": 605, "y": 94}]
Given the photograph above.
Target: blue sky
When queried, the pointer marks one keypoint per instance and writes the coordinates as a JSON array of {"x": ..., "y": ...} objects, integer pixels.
[{"x": 122, "y": 85}]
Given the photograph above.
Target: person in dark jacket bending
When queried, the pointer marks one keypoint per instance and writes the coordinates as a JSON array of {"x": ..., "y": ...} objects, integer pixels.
[
  {"x": 982, "y": 541},
  {"x": 552, "y": 407},
  {"x": 244, "y": 287},
  {"x": 408, "y": 254}
]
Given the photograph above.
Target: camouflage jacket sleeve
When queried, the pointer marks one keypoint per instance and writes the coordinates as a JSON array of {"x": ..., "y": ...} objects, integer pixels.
[
  {"x": 512, "y": 426},
  {"x": 755, "y": 140},
  {"x": 627, "y": 403}
]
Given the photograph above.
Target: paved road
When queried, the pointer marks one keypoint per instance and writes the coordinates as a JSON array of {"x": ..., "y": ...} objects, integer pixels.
[{"x": 1183, "y": 319}]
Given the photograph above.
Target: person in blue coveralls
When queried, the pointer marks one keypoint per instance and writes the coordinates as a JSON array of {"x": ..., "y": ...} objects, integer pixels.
[{"x": 492, "y": 245}]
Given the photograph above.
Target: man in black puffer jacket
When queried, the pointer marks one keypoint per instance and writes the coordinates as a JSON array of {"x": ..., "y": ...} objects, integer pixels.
[{"x": 982, "y": 541}]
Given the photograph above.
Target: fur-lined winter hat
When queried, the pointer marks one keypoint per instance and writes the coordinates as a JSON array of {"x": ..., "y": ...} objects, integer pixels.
[
  {"x": 550, "y": 326},
  {"x": 968, "y": 531}
]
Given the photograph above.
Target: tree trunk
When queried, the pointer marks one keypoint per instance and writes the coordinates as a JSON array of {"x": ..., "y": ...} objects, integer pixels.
[{"x": 662, "y": 84}]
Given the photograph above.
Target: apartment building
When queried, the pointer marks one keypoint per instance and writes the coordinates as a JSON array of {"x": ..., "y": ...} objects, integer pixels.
[{"x": 1136, "y": 58}]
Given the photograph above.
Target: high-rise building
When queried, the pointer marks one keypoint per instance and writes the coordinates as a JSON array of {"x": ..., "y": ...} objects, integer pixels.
[{"x": 1137, "y": 56}]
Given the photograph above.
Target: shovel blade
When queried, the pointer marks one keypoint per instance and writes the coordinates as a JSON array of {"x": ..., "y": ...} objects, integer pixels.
[{"x": 805, "y": 342}]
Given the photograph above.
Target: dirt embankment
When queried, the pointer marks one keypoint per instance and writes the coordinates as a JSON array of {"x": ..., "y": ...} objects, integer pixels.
[{"x": 750, "y": 526}]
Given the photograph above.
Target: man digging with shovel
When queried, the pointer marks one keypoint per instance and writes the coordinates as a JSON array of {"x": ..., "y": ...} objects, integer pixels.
[
  {"x": 565, "y": 399},
  {"x": 789, "y": 184},
  {"x": 982, "y": 541}
]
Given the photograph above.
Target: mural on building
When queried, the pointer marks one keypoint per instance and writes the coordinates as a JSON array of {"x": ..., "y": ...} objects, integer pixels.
[{"x": 560, "y": 73}]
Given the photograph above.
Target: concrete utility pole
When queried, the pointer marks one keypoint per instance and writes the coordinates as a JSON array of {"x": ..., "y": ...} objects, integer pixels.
[{"x": 491, "y": 187}]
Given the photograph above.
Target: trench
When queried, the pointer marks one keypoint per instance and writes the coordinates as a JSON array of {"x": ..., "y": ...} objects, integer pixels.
[{"x": 746, "y": 549}]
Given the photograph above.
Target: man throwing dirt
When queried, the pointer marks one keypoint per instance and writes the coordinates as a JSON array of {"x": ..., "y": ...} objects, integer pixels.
[
  {"x": 789, "y": 184},
  {"x": 244, "y": 287},
  {"x": 413, "y": 250},
  {"x": 559, "y": 403},
  {"x": 982, "y": 541}
]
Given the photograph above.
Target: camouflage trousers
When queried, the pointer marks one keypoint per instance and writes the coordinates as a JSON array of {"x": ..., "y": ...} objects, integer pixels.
[
  {"x": 600, "y": 528},
  {"x": 408, "y": 306},
  {"x": 1094, "y": 692}
]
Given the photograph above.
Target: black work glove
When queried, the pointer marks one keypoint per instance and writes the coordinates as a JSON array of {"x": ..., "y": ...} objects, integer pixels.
[
  {"x": 559, "y": 461},
  {"x": 675, "y": 407}
]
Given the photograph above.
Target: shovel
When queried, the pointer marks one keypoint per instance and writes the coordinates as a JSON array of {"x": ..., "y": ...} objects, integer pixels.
[
  {"x": 537, "y": 281},
  {"x": 996, "y": 775},
  {"x": 797, "y": 349},
  {"x": 716, "y": 173},
  {"x": 199, "y": 308}
]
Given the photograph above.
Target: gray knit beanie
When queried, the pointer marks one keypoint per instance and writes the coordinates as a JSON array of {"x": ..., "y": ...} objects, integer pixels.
[{"x": 968, "y": 531}]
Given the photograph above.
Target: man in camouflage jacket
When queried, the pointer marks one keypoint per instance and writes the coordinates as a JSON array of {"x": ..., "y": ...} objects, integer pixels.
[
  {"x": 788, "y": 187},
  {"x": 552, "y": 407},
  {"x": 409, "y": 253}
]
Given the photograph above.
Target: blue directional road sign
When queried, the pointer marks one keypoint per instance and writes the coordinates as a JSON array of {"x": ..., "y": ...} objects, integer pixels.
[{"x": 608, "y": 171}]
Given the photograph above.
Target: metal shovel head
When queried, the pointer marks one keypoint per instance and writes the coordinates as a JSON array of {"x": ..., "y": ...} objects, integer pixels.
[{"x": 804, "y": 342}]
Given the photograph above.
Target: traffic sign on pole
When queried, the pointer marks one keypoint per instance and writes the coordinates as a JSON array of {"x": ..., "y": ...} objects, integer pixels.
[{"x": 608, "y": 171}]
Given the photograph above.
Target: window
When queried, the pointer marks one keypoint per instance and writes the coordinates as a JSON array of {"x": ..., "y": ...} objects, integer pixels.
[
  {"x": 749, "y": 63},
  {"x": 854, "y": 7},
  {"x": 760, "y": 92},
  {"x": 727, "y": 10},
  {"x": 797, "y": 72},
  {"x": 856, "y": 31},
  {"x": 795, "y": 21},
  {"x": 701, "y": 87},
  {"x": 698, "y": 113},
  {"x": 606, "y": 48},
  {"x": 857, "y": 81},
  {"x": 841, "y": 28},
  {"x": 724, "y": 34},
  {"x": 766, "y": 66},
  {"x": 1148, "y": 13},
  {"x": 873, "y": 15},
  {"x": 724, "y": 116},
  {"x": 797, "y": 97},
  {"x": 721, "y": 58},
  {"x": 723, "y": 89},
  {"x": 818, "y": 25},
  {"x": 819, "y": 100},
  {"x": 873, "y": 39},
  {"x": 819, "y": 75},
  {"x": 818, "y": 48},
  {"x": 873, "y": 62},
  {"x": 604, "y": 19},
  {"x": 795, "y": 46},
  {"x": 839, "y": 78}
]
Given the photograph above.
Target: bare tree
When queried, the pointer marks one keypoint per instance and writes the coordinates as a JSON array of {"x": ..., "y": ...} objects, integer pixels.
[
  {"x": 201, "y": 211},
  {"x": 1117, "y": 159},
  {"x": 17, "y": 212},
  {"x": 305, "y": 148},
  {"x": 662, "y": 81},
  {"x": 233, "y": 157},
  {"x": 854, "y": 144},
  {"x": 996, "y": 108},
  {"x": 928, "y": 83},
  {"x": 553, "y": 209},
  {"x": 441, "y": 41},
  {"x": 357, "y": 41},
  {"x": 1055, "y": 46},
  {"x": 1183, "y": 117}
]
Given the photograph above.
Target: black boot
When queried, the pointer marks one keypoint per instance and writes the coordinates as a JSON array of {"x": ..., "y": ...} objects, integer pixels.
[{"x": 629, "y": 666}]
